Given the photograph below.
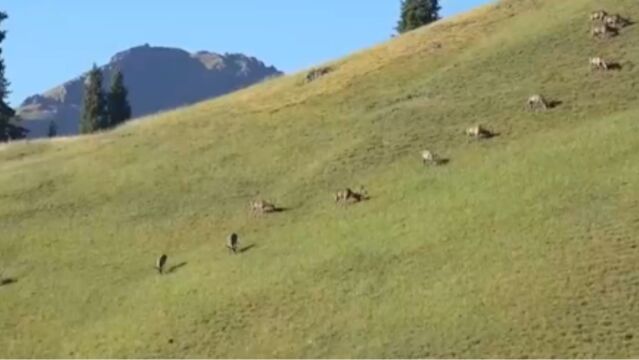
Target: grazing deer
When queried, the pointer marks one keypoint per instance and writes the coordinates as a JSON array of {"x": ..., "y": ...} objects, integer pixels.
[
  {"x": 603, "y": 31},
  {"x": 478, "y": 132},
  {"x": 160, "y": 263},
  {"x": 537, "y": 102},
  {"x": 598, "y": 63},
  {"x": 429, "y": 157},
  {"x": 598, "y": 15},
  {"x": 261, "y": 206},
  {"x": 615, "y": 21},
  {"x": 232, "y": 243},
  {"x": 343, "y": 196}
]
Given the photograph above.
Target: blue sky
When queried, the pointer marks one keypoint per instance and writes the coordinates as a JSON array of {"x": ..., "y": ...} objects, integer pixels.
[{"x": 53, "y": 41}]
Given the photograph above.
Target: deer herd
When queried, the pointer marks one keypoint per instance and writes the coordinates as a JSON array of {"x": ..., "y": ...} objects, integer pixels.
[{"x": 604, "y": 25}]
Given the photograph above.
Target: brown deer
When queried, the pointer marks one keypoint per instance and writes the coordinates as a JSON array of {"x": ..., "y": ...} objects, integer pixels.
[
  {"x": 598, "y": 15},
  {"x": 478, "y": 132},
  {"x": 598, "y": 63},
  {"x": 346, "y": 195},
  {"x": 261, "y": 207},
  {"x": 537, "y": 102}
]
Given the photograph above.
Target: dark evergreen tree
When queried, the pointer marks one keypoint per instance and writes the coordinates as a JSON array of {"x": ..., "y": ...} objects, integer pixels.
[
  {"x": 6, "y": 112},
  {"x": 119, "y": 107},
  {"x": 416, "y": 13},
  {"x": 94, "y": 112},
  {"x": 53, "y": 129}
]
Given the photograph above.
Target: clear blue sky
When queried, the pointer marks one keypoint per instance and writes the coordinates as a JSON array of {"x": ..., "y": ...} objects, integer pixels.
[{"x": 53, "y": 41}]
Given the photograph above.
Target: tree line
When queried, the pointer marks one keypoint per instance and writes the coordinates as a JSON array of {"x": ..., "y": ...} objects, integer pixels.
[{"x": 101, "y": 110}]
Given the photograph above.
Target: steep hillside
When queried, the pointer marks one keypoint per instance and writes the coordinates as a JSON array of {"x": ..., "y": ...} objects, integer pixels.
[
  {"x": 524, "y": 245},
  {"x": 158, "y": 78}
]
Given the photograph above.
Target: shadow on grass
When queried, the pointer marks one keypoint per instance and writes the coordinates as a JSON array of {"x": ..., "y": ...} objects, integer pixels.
[
  {"x": 350, "y": 202},
  {"x": 177, "y": 267},
  {"x": 246, "y": 248},
  {"x": 273, "y": 211},
  {"x": 615, "y": 66},
  {"x": 628, "y": 22},
  {"x": 437, "y": 162},
  {"x": 554, "y": 103},
  {"x": 483, "y": 136},
  {"x": 8, "y": 281}
]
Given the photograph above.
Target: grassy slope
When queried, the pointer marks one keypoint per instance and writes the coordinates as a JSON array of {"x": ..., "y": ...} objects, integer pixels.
[{"x": 525, "y": 245}]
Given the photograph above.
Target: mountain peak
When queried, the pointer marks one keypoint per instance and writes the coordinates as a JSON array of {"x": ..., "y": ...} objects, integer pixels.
[
  {"x": 158, "y": 78},
  {"x": 209, "y": 59}
]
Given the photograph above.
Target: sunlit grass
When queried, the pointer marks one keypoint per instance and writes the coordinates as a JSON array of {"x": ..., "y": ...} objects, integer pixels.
[{"x": 523, "y": 245}]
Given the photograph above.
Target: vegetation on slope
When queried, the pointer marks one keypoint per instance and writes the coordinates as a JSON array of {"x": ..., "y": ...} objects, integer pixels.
[{"x": 523, "y": 245}]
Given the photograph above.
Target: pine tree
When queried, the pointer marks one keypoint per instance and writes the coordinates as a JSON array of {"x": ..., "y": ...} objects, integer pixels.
[
  {"x": 6, "y": 112},
  {"x": 4, "y": 84},
  {"x": 119, "y": 107},
  {"x": 53, "y": 129},
  {"x": 94, "y": 112},
  {"x": 416, "y": 13}
]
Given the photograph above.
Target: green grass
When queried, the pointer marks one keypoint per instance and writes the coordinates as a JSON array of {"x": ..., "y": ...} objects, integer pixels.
[{"x": 523, "y": 245}]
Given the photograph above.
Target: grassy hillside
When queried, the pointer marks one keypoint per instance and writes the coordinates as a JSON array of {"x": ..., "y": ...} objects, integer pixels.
[{"x": 523, "y": 245}]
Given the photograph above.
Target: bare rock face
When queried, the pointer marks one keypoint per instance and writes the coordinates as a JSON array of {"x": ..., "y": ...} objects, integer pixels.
[{"x": 158, "y": 79}]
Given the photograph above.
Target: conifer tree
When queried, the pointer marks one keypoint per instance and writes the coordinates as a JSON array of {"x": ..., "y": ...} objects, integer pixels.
[
  {"x": 94, "y": 109},
  {"x": 118, "y": 104},
  {"x": 416, "y": 13},
  {"x": 6, "y": 112},
  {"x": 53, "y": 129}
]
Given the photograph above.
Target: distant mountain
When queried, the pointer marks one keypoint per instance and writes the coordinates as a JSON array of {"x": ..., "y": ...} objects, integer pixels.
[{"x": 158, "y": 78}]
